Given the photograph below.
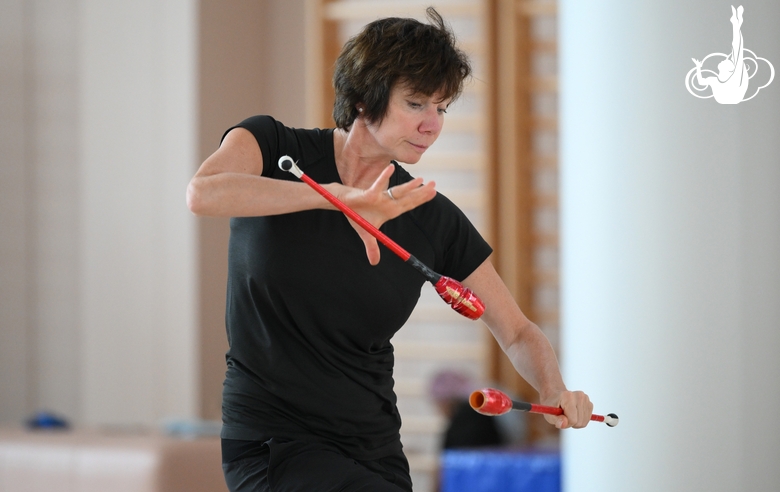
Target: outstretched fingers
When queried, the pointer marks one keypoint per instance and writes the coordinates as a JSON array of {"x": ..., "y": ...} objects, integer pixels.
[
  {"x": 413, "y": 193},
  {"x": 370, "y": 242},
  {"x": 381, "y": 182},
  {"x": 390, "y": 202},
  {"x": 379, "y": 204}
]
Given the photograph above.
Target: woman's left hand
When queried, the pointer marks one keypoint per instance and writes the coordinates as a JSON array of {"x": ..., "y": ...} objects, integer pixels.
[
  {"x": 378, "y": 206},
  {"x": 526, "y": 346},
  {"x": 576, "y": 406}
]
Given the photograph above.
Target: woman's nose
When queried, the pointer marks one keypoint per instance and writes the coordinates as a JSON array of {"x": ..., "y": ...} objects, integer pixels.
[{"x": 432, "y": 122}]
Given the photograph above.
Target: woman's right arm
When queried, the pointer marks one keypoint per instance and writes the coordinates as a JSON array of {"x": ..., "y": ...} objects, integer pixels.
[{"x": 229, "y": 184}]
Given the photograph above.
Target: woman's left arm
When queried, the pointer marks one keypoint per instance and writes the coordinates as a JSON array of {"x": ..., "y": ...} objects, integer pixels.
[{"x": 527, "y": 347}]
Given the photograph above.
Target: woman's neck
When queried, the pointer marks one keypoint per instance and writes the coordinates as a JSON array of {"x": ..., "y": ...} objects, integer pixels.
[{"x": 357, "y": 164}]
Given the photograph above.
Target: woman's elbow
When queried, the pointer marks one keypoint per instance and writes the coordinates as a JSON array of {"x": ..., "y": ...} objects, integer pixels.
[{"x": 195, "y": 199}]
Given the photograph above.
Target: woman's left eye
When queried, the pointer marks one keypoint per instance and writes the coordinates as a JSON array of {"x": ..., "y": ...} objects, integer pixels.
[{"x": 442, "y": 110}]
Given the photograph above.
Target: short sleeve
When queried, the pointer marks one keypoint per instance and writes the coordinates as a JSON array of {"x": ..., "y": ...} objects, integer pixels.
[
  {"x": 267, "y": 131},
  {"x": 462, "y": 247},
  {"x": 310, "y": 148},
  {"x": 458, "y": 247}
]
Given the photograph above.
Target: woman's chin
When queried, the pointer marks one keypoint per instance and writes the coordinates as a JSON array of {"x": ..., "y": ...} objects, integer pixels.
[{"x": 409, "y": 158}]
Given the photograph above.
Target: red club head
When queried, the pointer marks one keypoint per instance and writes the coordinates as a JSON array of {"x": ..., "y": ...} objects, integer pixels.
[
  {"x": 489, "y": 401},
  {"x": 462, "y": 300}
]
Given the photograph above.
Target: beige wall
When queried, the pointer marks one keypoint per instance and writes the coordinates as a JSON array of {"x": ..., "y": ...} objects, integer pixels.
[
  {"x": 250, "y": 62},
  {"x": 231, "y": 87},
  {"x": 14, "y": 214}
]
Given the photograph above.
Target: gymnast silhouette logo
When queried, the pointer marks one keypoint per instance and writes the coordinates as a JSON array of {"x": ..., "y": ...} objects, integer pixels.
[{"x": 735, "y": 71}]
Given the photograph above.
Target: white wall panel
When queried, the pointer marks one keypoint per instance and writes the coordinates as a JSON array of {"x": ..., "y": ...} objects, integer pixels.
[
  {"x": 137, "y": 94},
  {"x": 52, "y": 162},
  {"x": 670, "y": 254}
]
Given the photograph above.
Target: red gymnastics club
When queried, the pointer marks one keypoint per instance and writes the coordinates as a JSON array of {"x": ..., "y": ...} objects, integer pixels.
[
  {"x": 462, "y": 299},
  {"x": 492, "y": 402}
]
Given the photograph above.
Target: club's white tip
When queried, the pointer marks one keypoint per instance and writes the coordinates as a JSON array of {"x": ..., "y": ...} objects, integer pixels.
[
  {"x": 611, "y": 420},
  {"x": 288, "y": 165}
]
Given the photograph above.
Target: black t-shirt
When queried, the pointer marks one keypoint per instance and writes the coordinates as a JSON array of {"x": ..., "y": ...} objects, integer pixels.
[{"x": 309, "y": 320}]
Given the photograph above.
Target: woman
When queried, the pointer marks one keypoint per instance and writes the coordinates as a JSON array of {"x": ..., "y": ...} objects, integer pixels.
[{"x": 308, "y": 400}]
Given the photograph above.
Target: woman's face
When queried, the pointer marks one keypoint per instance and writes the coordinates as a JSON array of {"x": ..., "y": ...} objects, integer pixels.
[{"x": 411, "y": 125}]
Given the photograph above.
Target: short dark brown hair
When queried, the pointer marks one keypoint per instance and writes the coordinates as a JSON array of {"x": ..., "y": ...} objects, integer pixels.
[{"x": 396, "y": 50}]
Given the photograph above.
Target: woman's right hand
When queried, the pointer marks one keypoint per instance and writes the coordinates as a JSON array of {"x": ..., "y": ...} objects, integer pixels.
[{"x": 378, "y": 206}]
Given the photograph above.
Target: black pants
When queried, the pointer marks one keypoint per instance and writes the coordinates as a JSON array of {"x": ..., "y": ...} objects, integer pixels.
[{"x": 305, "y": 467}]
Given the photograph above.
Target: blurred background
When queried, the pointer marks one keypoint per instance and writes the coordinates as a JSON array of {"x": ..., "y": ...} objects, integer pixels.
[{"x": 637, "y": 225}]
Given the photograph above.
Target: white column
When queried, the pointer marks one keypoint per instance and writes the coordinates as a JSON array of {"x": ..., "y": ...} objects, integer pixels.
[
  {"x": 670, "y": 222},
  {"x": 52, "y": 163},
  {"x": 137, "y": 94}
]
